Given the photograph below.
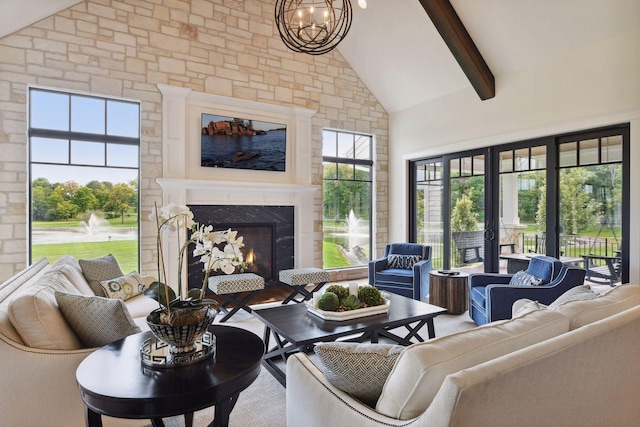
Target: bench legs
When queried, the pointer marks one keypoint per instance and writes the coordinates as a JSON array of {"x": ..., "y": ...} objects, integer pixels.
[
  {"x": 237, "y": 302},
  {"x": 302, "y": 290}
]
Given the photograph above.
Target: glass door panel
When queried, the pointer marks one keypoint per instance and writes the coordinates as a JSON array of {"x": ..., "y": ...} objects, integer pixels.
[
  {"x": 429, "y": 218},
  {"x": 467, "y": 213},
  {"x": 522, "y": 203}
]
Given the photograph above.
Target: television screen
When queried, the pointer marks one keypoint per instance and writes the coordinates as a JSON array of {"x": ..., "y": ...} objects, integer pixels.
[{"x": 231, "y": 142}]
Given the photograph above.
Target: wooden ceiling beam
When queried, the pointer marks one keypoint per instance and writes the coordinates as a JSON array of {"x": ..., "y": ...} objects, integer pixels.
[{"x": 455, "y": 35}]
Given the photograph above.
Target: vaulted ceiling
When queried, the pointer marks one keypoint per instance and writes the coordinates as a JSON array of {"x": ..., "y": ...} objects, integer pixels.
[{"x": 396, "y": 50}]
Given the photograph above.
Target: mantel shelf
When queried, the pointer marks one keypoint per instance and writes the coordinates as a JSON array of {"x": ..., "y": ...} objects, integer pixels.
[{"x": 202, "y": 184}]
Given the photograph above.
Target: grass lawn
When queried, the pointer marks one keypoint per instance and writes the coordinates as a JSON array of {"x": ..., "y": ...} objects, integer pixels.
[
  {"x": 332, "y": 256},
  {"x": 125, "y": 251}
]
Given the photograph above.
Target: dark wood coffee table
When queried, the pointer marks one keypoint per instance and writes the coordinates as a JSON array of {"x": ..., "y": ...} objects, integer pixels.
[
  {"x": 114, "y": 382},
  {"x": 294, "y": 329}
]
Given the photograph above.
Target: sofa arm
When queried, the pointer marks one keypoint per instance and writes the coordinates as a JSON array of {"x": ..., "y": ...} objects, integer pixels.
[
  {"x": 375, "y": 266},
  {"x": 313, "y": 402},
  {"x": 40, "y": 389},
  {"x": 421, "y": 271},
  {"x": 484, "y": 279}
]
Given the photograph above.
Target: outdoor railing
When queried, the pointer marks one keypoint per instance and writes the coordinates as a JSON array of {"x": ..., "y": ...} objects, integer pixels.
[{"x": 571, "y": 246}]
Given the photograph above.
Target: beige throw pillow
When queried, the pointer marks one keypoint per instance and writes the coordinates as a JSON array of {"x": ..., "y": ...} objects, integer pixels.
[
  {"x": 98, "y": 270},
  {"x": 421, "y": 368},
  {"x": 358, "y": 369},
  {"x": 35, "y": 314},
  {"x": 96, "y": 321}
]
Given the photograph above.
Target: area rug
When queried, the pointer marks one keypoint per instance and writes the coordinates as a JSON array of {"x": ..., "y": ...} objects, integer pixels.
[{"x": 263, "y": 402}]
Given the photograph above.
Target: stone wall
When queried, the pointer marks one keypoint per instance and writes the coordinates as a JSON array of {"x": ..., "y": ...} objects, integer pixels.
[{"x": 125, "y": 48}]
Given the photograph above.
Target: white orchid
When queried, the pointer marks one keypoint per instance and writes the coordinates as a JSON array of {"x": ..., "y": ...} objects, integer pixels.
[{"x": 218, "y": 250}]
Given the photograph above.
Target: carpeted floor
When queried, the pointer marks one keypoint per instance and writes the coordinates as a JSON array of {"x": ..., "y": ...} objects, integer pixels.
[{"x": 263, "y": 402}]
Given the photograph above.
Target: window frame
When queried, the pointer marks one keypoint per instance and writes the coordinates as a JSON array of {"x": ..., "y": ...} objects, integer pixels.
[
  {"x": 355, "y": 162},
  {"x": 73, "y": 136}
]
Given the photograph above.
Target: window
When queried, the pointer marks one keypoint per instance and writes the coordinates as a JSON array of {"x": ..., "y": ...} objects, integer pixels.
[
  {"x": 84, "y": 173},
  {"x": 348, "y": 169}
]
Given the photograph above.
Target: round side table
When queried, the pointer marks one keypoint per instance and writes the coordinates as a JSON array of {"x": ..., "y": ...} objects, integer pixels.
[
  {"x": 114, "y": 382},
  {"x": 449, "y": 290}
]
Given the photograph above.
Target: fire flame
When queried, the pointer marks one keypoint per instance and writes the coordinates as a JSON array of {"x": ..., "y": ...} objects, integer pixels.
[{"x": 250, "y": 257}]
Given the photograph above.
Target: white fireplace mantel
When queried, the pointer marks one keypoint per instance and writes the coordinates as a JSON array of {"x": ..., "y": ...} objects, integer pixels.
[{"x": 186, "y": 182}]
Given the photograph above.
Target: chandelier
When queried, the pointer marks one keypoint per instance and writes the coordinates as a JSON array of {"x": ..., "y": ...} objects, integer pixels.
[{"x": 314, "y": 27}]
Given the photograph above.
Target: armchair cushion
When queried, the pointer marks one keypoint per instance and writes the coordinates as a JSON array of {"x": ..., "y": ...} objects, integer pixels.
[
  {"x": 96, "y": 321},
  {"x": 522, "y": 278},
  {"x": 405, "y": 262},
  {"x": 358, "y": 369}
]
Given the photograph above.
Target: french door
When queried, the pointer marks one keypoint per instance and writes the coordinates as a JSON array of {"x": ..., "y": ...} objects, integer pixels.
[
  {"x": 565, "y": 196},
  {"x": 449, "y": 209}
]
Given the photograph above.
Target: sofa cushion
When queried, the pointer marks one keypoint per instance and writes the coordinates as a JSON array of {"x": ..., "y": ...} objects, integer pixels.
[
  {"x": 99, "y": 269},
  {"x": 35, "y": 314},
  {"x": 610, "y": 302},
  {"x": 404, "y": 262},
  {"x": 522, "y": 278},
  {"x": 358, "y": 369},
  {"x": 70, "y": 267},
  {"x": 577, "y": 293},
  {"x": 124, "y": 287},
  {"x": 97, "y": 321},
  {"x": 421, "y": 368}
]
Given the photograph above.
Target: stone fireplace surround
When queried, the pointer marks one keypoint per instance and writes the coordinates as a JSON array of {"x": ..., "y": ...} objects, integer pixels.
[{"x": 185, "y": 182}]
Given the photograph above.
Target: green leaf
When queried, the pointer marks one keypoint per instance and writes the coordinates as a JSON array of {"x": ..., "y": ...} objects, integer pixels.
[{"x": 157, "y": 292}]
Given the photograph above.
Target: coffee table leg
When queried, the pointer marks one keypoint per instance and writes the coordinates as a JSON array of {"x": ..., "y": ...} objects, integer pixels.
[{"x": 431, "y": 328}]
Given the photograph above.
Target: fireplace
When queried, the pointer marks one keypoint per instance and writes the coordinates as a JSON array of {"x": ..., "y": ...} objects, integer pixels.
[{"x": 268, "y": 236}]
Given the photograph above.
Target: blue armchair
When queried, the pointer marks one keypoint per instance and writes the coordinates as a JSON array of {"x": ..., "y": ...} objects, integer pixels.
[
  {"x": 491, "y": 296},
  {"x": 403, "y": 270}
]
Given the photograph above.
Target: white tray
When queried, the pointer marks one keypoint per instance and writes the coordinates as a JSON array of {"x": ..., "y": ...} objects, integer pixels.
[{"x": 349, "y": 314}]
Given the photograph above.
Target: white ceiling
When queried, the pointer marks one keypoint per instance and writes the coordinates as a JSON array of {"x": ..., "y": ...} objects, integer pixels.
[{"x": 396, "y": 51}]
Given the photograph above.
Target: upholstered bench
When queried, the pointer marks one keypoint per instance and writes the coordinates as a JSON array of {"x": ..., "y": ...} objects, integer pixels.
[
  {"x": 230, "y": 289},
  {"x": 299, "y": 278}
]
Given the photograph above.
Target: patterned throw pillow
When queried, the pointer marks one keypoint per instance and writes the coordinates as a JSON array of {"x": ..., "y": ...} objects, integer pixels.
[
  {"x": 124, "y": 287},
  {"x": 358, "y": 369},
  {"x": 404, "y": 262},
  {"x": 96, "y": 321},
  {"x": 98, "y": 270},
  {"x": 522, "y": 278}
]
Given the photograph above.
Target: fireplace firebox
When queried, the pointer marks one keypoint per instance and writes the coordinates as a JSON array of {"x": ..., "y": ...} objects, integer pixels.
[{"x": 267, "y": 233}]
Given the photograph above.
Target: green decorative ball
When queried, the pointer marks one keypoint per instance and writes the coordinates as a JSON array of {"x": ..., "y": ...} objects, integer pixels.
[
  {"x": 339, "y": 290},
  {"x": 328, "y": 302},
  {"x": 370, "y": 296}
]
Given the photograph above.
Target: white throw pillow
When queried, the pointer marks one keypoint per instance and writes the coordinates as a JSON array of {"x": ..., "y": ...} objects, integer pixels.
[
  {"x": 421, "y": 368},
  {"x": 610, "y": 302},
  {"x": 358, "y": 369}
]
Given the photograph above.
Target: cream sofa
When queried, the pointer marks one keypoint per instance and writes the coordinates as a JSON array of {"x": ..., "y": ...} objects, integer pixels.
[
  {"x": 38, "y": 384},
  {"x": 575, "y": 365}
]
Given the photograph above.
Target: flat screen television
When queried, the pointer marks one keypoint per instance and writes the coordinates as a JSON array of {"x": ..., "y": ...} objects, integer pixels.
[{"x": 232, "y": 142}]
